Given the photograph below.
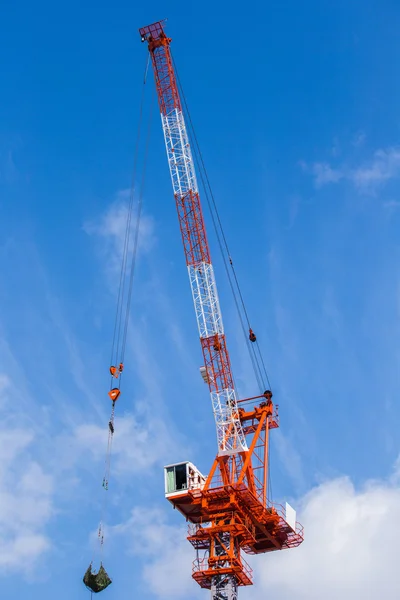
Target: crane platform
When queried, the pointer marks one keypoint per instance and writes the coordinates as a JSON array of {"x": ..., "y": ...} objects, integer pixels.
[{"x": 262, "y": 529}]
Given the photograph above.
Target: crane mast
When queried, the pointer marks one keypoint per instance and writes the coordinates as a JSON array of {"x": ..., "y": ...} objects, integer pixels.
[{"x": 229, "y": 510}]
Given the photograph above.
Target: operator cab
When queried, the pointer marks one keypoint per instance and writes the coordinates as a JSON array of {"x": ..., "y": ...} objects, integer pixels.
[{"x": 181, "y": 477}]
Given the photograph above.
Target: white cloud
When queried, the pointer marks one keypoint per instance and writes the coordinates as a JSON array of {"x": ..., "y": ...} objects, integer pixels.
[
  {"x": 391, "y": 204},
  {"x": 4, "y": 382},
  {"x": 140, "y": 443},
  {"x": 335, "y": 150},
  {"x": 26, "y": 493},
  {"x": 359, "y": 138},
  {"x": 21, "y": 551},
  {"x": 324, "y": 174},
  {"x": 290, "y": 458},
  {"x": 382, "y": 167},
  {"x": 350, "y": 547},
  {"x": 111, "y": 229},
  {"x": 169, "y": 556},
  {"x": 12, "y": 443}
]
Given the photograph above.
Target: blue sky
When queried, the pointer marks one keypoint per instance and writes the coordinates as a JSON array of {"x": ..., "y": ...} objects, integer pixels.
[{"x": 296, "y": 110}]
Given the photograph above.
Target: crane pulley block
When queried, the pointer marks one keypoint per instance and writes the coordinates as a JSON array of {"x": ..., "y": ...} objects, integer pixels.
[
  {"x": 114, "y": 394},
  {"x": 252, "y": 335},
  {"x": 116, "y": 371}
]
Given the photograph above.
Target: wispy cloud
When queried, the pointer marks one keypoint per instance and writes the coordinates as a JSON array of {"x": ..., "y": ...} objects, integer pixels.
[
  {"x": 141, "y": 441},
  {"x": 381, "y": 168},
  {"x": 26, "y": 500},
  {"x": 110, "y": 228},
  {"x": 9, "y": 146},
  {"x": 359, "y": 139},
  {"x": 384, "y": 165},
  {"x": 324, "y": 173},
  {"x": 167, "y": 554},
  {"x": 392, "y": 204},
  {"x": 290, "y": 458},
  {"x": 57, "y": 419}
]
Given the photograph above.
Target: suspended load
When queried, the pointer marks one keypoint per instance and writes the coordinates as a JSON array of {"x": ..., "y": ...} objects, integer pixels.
[{"x": 96, "y": 582}]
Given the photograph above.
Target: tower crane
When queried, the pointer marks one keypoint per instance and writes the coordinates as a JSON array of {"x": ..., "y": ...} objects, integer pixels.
[{"x": 228, "y": 511}]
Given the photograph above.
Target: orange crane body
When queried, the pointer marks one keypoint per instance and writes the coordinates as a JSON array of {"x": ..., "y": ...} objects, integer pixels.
[
  {"x": 234, "y": 500},
  {"x": 229, "y": 511}
]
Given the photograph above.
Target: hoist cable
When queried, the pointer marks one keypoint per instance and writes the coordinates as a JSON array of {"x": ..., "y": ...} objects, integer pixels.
[
  {"x": 129, "y": 220},
  {"x": 136, "y": 235},
  {"x": 123, "y": 322},
  {"x": 107, "y": 464},
  {"x": 122, "y": 312},
  {"x": 259, "y": 373},
  {"x": 263, "y": 364},
  {"x": 253, "y": 355},
  {"x": 121, "y": 287},
  {"x": 253, "y": 358},
  {"x": 256, "y": 370}
]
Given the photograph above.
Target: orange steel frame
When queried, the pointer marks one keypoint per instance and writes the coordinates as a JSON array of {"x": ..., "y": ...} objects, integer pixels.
[{"x": 234, "y": 502}]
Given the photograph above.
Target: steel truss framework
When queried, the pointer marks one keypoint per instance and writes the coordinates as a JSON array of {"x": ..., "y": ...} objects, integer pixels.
[{"x": 231, "y": 513}]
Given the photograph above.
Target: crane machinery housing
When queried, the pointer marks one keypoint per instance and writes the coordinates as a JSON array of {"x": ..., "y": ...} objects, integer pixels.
[{"x": 228, "y": 511}]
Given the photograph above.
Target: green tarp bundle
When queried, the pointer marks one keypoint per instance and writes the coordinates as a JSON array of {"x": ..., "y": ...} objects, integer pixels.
[{"x": 97, "y": 582}]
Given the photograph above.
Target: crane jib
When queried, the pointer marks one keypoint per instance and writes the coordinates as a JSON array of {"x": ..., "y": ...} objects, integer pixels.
[{"x": 230, "y": 436}]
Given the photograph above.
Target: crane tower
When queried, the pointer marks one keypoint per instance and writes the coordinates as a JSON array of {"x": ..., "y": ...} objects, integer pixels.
[{"x": 228, "y": 511}]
